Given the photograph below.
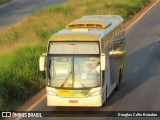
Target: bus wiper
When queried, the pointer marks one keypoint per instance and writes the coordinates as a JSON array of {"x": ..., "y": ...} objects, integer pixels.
[
  {"x": 73, "y": 80},
  {"x": 80, "y": 82},
  {"x": 66, "y": 79}
]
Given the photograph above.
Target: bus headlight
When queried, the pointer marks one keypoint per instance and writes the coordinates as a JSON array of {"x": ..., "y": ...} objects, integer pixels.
[
  {"x": 52, "y": 93},
  {"x": 95, "y": 93}
]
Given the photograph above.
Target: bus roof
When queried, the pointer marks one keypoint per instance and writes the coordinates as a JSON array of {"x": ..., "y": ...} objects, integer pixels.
[{"x": 88, "y": 28}]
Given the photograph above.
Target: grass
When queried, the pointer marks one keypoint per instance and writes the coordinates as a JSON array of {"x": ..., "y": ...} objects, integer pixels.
[
  {"x": 22, "y": 44},
  {"x": 4, "y": 1},
  {"x": 20, "y": 77}
]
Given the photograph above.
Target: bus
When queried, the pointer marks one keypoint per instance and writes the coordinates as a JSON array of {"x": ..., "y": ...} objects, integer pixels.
[{"x": 85, "y": 61}]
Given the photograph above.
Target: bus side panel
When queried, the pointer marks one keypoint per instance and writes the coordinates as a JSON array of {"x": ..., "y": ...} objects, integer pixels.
[
  {"x": 114, "y": 47},
  {"x": 119, "y": 47},
  {"x": 107, "y": 49}
]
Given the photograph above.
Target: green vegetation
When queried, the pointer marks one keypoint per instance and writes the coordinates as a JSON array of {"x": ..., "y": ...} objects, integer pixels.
[
  {"x": 23, "y": 43},
  {"x": 4, "y": 1},
  {"x": 20, "y": 77}
]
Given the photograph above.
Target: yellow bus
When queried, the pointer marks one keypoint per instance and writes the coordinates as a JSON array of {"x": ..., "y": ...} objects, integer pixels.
[{"x": 85, "y": 61}]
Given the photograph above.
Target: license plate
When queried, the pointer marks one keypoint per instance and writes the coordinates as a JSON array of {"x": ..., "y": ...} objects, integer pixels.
[{"x": 73, "y": 101}]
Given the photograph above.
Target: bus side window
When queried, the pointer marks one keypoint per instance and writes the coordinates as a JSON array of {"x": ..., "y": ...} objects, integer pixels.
[
  {"x": 110, "y": 42},
  {"x": 122, "y": 31},
  {"x": 114, "y": 40},
  {"x": 117, "y": 43}
]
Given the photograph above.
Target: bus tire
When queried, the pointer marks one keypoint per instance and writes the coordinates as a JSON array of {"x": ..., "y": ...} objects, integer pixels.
[{"x": 119, "y": 81}]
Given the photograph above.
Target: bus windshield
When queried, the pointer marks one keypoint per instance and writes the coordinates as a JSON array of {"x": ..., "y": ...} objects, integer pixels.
[
  {"x": 74, "y": 64},
  {"x": 74, "y": 71}
]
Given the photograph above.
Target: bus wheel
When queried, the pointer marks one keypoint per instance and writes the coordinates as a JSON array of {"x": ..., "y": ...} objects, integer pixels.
[{"x": 119, "y": 82}]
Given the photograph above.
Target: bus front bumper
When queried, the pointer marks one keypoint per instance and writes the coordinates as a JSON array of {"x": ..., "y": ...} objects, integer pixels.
[{"x": 93, "y": 101}]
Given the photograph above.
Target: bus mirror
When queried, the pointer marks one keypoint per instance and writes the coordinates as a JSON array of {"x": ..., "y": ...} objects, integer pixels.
[
  {"x": 103, "y": 61},
  {"x": 42, "y": 62}
]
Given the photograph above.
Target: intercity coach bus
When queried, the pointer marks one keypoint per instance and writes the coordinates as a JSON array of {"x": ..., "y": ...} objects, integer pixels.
[{"x": 85, "y": 61}]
